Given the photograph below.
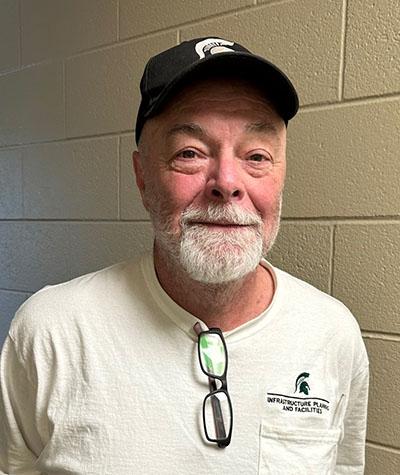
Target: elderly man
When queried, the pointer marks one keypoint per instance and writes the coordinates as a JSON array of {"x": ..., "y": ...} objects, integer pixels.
[{"x": 202, "y": 357}]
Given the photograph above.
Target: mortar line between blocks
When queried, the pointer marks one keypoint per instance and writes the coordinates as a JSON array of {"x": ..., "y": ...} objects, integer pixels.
[
  {"x": 22, "y": 184},
  {"x": 64, "y": 86},
  {"x": 15, "y": 291},
  {"x": 342, "y": 64},
  {"x": 383, "y": 447},
  {"x": 350, "y": 102},
  {"x": 343, "y": 220},
  {"x": 69, "y": 139},
  {"x": 332, "y": 258},
  {"x": 119, "y": 173},
  {"x": 67, "y": 220},
  {"x": 376, "y": 335},
  {"x": 20, "y": 34},
  {"x": 118, "y": 11}
]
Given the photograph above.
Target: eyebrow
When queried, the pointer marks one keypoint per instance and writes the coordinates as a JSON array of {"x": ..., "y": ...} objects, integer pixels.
[
  {"x": 188, "y": 129},
  {"x": 262, "y": 128}
]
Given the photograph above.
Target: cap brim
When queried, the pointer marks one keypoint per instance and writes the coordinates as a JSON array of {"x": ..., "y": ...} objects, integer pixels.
[{"x": 277, "y": 86}]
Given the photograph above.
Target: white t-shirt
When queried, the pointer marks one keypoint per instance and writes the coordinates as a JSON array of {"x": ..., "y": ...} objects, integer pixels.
[{"x": 100, "y": 375}]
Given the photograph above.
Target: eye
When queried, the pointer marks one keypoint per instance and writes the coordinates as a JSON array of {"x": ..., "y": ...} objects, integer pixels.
[
  {"x": 259, "y": 157},
  {"x": 187, "y": 154}
]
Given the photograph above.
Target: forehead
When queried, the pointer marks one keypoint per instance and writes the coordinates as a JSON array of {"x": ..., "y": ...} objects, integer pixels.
[{"x": 217, "y": 106}]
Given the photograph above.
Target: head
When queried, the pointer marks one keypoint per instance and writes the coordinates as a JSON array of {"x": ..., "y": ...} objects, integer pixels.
[{"x": 210, "y": 167}]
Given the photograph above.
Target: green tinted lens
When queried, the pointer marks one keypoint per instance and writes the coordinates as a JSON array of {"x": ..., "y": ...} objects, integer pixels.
[{"x": 212, "y": 354}]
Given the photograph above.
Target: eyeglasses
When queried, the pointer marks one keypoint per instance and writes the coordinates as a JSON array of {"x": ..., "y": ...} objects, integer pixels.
[{"x": 217, "y": 405}]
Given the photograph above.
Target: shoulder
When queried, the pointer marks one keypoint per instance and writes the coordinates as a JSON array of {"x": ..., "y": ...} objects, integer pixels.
[
  {"x": 58, "y": 308},
  {"x": 314, "y": 301},
  {"x": 318, "y": 317}
]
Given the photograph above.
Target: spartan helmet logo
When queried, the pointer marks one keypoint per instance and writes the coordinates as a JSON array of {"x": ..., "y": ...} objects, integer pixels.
[
  {"x": 301, "y": 383},
  {"x": 212, "y": 46}
]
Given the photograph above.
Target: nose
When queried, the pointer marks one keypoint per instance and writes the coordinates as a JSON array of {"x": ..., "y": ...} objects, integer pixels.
[{"x": 225, "y": 180}]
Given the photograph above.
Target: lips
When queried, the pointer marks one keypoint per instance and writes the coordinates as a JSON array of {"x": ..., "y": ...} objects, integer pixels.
[{"x": 218, "y": 225}]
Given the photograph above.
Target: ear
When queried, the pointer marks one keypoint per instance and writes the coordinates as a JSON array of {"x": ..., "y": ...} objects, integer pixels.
[{"x": 139, "y": 174}]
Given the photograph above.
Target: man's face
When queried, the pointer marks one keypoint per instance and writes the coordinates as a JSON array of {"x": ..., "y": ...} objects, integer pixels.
[{"x": 211, "y": 170}]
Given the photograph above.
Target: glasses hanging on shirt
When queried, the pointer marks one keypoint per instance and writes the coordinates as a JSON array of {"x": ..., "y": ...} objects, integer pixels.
[{"x": 217, "y": 405}]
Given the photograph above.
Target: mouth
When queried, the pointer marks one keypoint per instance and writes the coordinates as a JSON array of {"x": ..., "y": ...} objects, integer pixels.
[{"x": 219, "y": 224}]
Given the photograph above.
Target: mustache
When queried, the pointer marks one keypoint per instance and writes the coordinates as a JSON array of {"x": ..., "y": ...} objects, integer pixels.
[{"x": 221, "y": 214}]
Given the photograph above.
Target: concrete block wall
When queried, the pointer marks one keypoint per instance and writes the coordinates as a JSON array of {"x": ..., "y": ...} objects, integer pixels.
[{"x": 69, "y": 73}]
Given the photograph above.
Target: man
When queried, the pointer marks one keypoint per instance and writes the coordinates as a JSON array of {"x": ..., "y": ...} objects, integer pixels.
[{"x": 108, "y": 373}]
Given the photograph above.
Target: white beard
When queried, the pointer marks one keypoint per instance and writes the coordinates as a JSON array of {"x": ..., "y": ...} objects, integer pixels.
[{"x": 215, "y": 256}]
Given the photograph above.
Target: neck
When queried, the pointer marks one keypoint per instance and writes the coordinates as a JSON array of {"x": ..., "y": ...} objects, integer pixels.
[{"x": 227, "y": 305}]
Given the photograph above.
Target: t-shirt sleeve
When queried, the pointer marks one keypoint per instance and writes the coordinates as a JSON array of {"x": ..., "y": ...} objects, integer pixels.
[
  {"x": 19, "y": 439},
  {"x": 351, "y": 450}
]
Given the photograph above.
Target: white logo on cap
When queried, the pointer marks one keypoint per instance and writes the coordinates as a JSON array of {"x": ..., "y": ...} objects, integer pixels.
[{"x": 212, "y": 46}]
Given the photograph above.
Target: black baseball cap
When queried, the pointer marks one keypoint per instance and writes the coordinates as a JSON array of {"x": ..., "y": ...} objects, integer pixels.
[{"x": 166, "y": 73}]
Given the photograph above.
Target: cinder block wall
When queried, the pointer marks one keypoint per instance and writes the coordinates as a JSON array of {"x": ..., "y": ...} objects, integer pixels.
[{"x": 69, "y": 71}]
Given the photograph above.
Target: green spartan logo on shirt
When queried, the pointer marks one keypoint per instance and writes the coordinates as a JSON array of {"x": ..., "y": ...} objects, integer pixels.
[{"x": 301, "y": 383}]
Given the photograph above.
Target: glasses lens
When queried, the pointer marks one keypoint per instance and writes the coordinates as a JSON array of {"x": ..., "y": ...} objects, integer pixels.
[
  {"x": 212, "y": 354},
  {"x": 217, "y": 416}
]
